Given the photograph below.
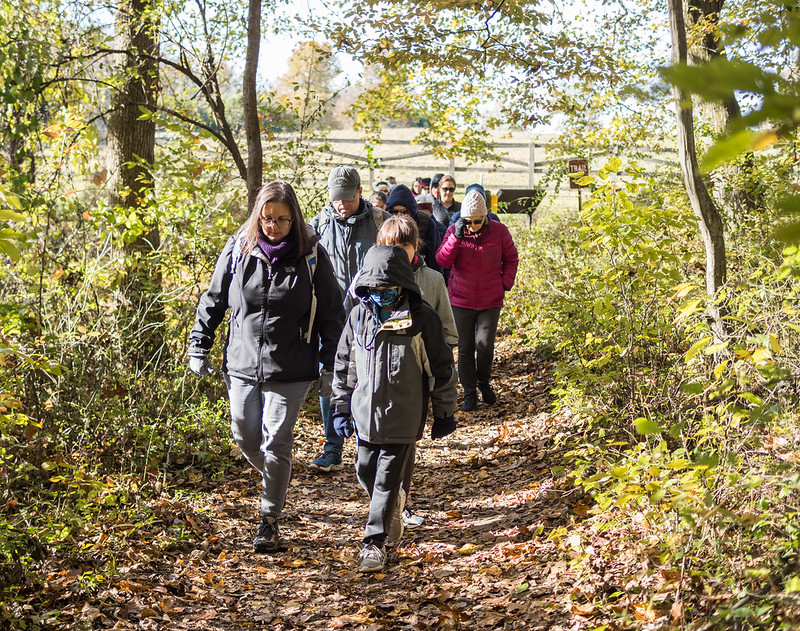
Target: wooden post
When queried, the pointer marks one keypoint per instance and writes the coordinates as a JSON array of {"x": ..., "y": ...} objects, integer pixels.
[
  {"x": 452, "y": 166},
  {"x": 531, "y": 165}
]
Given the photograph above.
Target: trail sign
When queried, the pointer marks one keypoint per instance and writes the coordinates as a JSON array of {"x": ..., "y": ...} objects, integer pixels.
[{"x": 578, "y": 166}]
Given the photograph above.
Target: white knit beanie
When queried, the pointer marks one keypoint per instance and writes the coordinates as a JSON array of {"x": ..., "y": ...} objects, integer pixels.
[{"x": 473, "y": 206}]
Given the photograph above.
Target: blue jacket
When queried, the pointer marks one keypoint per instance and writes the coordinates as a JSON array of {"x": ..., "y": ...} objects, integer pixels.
[{"x": 429, "y": 234}]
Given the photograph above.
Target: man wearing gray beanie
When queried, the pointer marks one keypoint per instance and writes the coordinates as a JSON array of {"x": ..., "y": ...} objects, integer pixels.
[{"x": 347, "y": 227}]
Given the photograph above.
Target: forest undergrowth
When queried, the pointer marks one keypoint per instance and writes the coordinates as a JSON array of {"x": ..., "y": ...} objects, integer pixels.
[{"x": 638, "y": 473}]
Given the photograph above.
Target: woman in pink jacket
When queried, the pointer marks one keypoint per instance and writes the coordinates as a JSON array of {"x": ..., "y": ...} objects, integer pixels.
[{"x": 483, "y": 260}]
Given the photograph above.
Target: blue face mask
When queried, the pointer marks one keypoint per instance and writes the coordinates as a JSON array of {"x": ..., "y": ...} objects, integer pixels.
[{"x": 384, "y": 298}]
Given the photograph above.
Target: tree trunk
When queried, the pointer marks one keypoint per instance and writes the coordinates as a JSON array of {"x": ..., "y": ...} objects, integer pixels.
[
  {"x": 708, "y": 217},
  {"x": 734, "y": 186},
  {"x": 255, "y": 158},
  {"x": 131, "y": 152}
]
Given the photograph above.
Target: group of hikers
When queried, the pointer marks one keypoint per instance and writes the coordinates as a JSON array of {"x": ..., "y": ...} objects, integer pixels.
[{"x": 368, "y": 299}]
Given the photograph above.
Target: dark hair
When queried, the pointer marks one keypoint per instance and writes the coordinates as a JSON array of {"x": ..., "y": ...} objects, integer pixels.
[
  {"x": 398, "y": 230},
  {"x": 436, "y": 179},
  {"x": 378, "y": 195},
  {"x": 280, "y": 192}
]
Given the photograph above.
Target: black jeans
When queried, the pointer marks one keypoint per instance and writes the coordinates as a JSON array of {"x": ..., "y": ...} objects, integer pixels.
[
  {"x": 476, "y": 333},
  {"x": 379, "y": 469}
]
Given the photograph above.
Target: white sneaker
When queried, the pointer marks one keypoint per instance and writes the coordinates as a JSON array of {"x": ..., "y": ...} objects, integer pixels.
[
  {"x": 410, "y": 520},
  {"x": 373, "y": 558},
  {"x": 396, "y": 525}
]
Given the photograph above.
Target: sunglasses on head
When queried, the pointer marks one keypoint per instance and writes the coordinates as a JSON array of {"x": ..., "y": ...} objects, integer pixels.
[{"x": 448, "y": 189}]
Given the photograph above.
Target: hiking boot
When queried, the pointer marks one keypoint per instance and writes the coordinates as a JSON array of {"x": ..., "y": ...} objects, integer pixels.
[
  {"x": 329, "y": 461},
  {"x": 470, "y": 402},
  {"x": 372, "y": 558},
  {"x": 396, "y": 526},
  {"x": 487, "y": 394},
  {"x": 267, "y": 537},
  {"x": 410, "y": 520}
]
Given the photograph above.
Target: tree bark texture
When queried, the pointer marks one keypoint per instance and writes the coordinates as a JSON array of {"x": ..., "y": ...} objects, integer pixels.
[
  {"x": 735, "y": 185},
  {"x": 708, "y": 217},
  {"x": 131, "y": 153},
  {"x": 255, "y": 158}
]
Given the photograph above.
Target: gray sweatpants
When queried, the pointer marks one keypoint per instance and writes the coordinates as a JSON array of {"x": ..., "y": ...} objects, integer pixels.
[{"x": 263, "y": 416}]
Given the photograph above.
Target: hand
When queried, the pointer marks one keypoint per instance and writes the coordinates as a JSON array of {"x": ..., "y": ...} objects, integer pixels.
[
  {"x": 342, "y": 424},
  {"x": 461, "y": 223},
  {"x": 443, "y": 426},
  {"x": 324, "y": 389},
  {"x": 201, "y": 365}
]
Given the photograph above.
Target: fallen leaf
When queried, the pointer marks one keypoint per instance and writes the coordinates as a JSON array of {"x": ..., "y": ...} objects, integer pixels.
[
  {"x": 586, "y": 609},
  {"x": 644, "y": 612},
  {"x": 469, "y": 548},
  {"x": 148, "y": 612},
  {"x": 676, "y": 612}
]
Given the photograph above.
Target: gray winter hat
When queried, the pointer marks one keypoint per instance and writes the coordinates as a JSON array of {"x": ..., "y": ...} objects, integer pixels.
[{"x": 343, "y": 183}]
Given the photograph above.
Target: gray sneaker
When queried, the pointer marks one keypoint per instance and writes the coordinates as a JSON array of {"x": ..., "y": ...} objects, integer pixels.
[
  {"x": 396, "y": 525},
  {"x": 372, "y": 558},
  {"x": 267, "y": 538}
]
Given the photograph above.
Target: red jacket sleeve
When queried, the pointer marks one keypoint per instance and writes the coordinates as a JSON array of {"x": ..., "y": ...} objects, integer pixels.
[{"x": 510, "y": 260}]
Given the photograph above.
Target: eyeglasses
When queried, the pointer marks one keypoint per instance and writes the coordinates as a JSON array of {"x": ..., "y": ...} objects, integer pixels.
[
  {"x": 281, "y": 222},
  {"x": 447, "y": 189},
  {"x": 474, "y": 222},
  {"x": 399, "y": 211}
]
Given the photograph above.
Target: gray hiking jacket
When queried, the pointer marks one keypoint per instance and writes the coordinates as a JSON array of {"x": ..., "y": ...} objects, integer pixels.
[
  {"x": 384, "y": 372},
  {"x": 434, "y": 291},
  {"x": 347, "y": 241}
]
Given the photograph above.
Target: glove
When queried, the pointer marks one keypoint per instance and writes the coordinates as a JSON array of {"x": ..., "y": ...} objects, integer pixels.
[
  {"x": 201, "y": 365},
  {"x": 324, "y": 389},
  {"x": 342, "y": 424},
  {"x": 442, "y": 426},
  {"x": 460, "y": 225}
]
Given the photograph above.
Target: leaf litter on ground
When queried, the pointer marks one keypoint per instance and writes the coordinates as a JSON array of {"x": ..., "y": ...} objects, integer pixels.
[{"x": 488, "y": 555}]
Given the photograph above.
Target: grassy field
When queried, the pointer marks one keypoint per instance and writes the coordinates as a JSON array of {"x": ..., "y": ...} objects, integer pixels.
[
  {"x": 405, "y": 170},
  {"x": 400, "y": 159}
]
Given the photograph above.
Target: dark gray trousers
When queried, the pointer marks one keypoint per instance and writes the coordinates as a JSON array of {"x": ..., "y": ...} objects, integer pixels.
[
  {"x": 476, "y": 333},
  {"x": 379, "y": 469}
]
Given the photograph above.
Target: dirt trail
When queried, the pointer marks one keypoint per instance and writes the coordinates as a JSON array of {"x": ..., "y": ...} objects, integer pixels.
[{"x": 480, "y": 560}]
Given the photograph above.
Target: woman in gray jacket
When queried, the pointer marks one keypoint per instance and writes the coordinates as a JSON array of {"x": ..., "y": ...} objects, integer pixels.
[{"x": 271, "y": 275}]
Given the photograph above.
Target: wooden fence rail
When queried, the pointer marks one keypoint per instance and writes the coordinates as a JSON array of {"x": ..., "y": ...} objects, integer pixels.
[{"x": 531, "y": 166}]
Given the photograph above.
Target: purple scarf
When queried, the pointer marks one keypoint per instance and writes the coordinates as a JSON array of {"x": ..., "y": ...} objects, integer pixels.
[{"x": 276, "y": 251}]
